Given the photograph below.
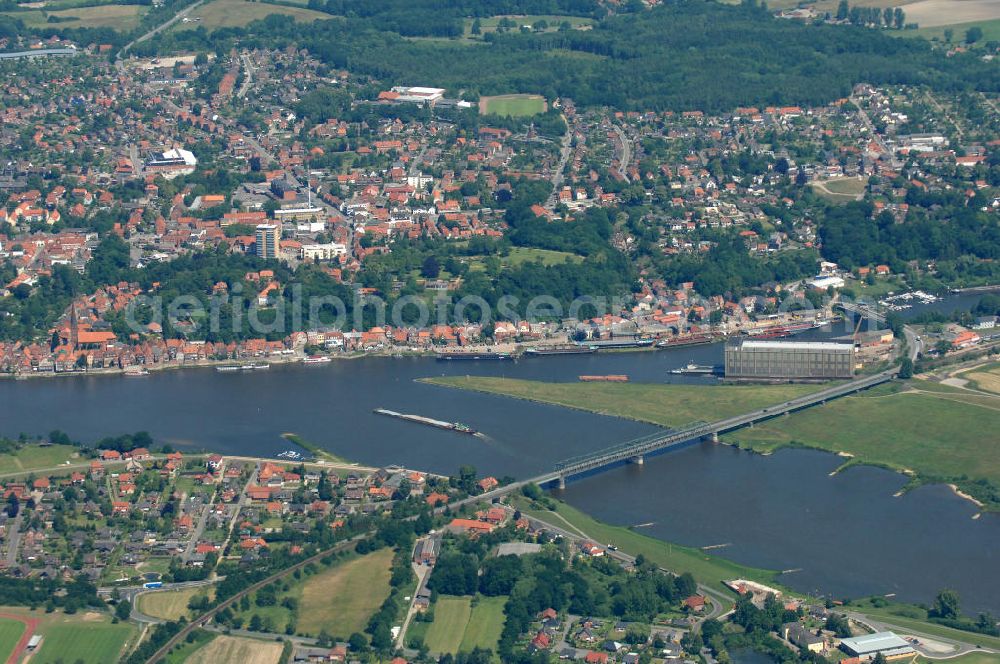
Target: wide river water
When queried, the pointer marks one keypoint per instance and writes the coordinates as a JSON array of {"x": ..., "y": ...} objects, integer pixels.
[{"x": 844, "y": 535}]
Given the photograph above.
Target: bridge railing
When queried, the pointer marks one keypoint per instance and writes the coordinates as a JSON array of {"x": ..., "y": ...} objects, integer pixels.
[{"x": 631, "y": 448}]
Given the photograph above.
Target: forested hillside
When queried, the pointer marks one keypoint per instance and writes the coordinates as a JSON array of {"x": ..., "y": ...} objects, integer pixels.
[{"x": 685, "y": 55}]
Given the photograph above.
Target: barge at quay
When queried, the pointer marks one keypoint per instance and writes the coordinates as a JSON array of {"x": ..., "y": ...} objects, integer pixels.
[
  {"x": 252, "y": 366},
  {"x": 689, "y": 340},
  {"x": 563, "y": 349},
  {"x": 474, "y": 355},
  {"x": 440, "y": 424},
  {"x": 625, "y": 342}
]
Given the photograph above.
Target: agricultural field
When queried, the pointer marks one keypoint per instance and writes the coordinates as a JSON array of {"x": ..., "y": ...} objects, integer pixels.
[
  {"x": 342, "y": 599},
  {"x": 990, "y": 28},
  {"x": 236, "y": 649},
  {"x": 935, "y": 13},
  {"x": 985, "y": 378},
  {"x": 180, "y": 654},
  {"x": 33, "y": 457},
  {"x": 119, "y": 17},
  {"x": 171, "y": 604},
  {"x": 238, "y": 13},
  {"x": 10, "y": 633},
  {"x": 513, "y": 105}
]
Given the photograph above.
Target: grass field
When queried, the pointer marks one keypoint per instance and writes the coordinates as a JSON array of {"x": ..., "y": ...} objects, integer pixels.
[
  {"x": 490, "y": 24},
  {"x": 238, "y": 13},
  {"x": 31, "y": 457},
  {"x": 485, "y": 624},
  {"x": 840, "y": 190},
  {"x": 119, "y": 17},
  {"x": 894, "y": 615},
  {"x": 934, "y": 13},
  {"x": 934, "y": 431},
  {"x": 342, "y": 599},
  {"x": 520, "y": 255},
  {"x": 971, "y": 658},
  {"x": 236, "y": 650},
  {"x": 10, "y": 633},
  {"x": 512, "y": 105},
  {"x": 991, "y": 31},
  {"x": 451, "y": 616},
  {"x": 170, "y": 605},
  {"x": 666, "y": 405},
  {"x": 986, "y": 378},
  {"x": 77, "y": 640}
]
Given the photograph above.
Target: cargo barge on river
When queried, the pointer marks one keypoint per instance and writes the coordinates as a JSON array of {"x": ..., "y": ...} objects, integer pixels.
[{"x": 419, "y": 419}]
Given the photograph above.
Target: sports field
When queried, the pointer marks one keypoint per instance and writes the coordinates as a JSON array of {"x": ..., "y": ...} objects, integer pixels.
[
  {"x": 90, "y": 638},
  {"x": 10, "y": 633},
  {"x": 236, "y": 650},
  {"x": 238, "y": 13},
  {"x": 512, "y": 105},
  {"x": 119, "y": 17},
  {"x": 342, "y": 599}
]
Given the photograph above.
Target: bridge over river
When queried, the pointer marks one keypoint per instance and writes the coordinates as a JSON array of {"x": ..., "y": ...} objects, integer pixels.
[{"x": 635, "y": 451}]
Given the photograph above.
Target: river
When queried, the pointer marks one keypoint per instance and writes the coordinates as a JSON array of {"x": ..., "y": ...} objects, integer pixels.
[{"x": 847, "y": 534}]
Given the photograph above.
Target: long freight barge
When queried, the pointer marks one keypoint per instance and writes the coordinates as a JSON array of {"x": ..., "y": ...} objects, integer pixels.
[
  {"x": 473, "y": 355},
  {"x": 419, "y": 419},
  {"x": 689, "y": 340},
  {"x": 562, "y": 349},
  {"x": 780, "y": 331}
]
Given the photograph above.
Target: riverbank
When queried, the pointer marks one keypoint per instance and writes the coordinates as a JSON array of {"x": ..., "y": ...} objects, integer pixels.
[
  {"x": 706, "y": 568},
  {"x": 937, "y": 433}
]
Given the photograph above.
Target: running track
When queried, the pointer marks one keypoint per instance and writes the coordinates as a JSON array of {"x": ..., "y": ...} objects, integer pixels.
[{"x": 29, "y": 629}]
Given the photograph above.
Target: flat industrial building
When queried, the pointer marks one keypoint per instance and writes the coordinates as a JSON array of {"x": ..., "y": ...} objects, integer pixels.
[
  {"x": 757, "y": 359},
  {"x": 869, "y": 645}
]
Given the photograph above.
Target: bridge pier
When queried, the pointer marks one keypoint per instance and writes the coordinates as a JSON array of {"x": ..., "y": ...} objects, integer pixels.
[
  {"x": 638, "y": 460},
  {"x": 712, "y": 437},
  {"x": 562, "y": 483}
]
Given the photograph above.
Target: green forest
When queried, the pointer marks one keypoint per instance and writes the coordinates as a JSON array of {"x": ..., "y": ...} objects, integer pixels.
[{"x": 688, "y": 54}]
